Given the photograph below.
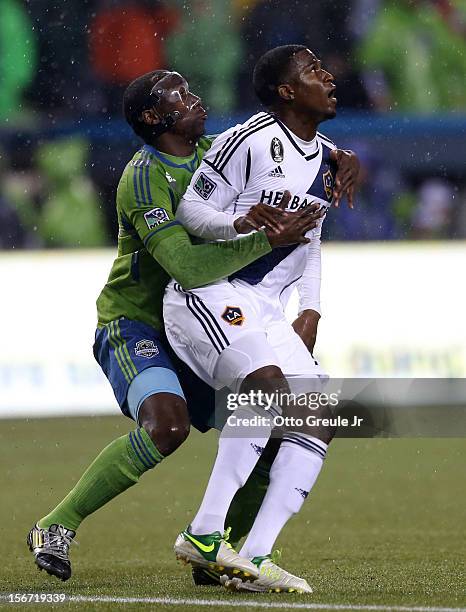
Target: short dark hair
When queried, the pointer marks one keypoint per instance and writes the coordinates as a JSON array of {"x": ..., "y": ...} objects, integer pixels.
[
  {"x": 136, "y": 99},
  {"x": 271, "y": 71}
]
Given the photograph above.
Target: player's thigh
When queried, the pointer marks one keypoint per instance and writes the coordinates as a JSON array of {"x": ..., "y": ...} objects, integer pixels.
[
  {"x": 214, "y": 330},
  {"x": 200, "y": 397},
  {"x": 133, "y": 357},
  {"x": 299, "y": 366}
]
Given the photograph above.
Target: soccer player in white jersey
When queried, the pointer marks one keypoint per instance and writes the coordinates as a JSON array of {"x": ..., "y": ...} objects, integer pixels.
[{"x": 234, "y": 332}]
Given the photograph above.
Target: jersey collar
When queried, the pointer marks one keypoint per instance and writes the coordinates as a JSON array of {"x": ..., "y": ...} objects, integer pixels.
[
  {"x": 292, "y": 139},
  {"x": 173, "y": 160}
]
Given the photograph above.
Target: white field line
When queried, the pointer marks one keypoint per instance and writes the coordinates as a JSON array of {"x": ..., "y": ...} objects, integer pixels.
[{"x": 248, "y": 603}]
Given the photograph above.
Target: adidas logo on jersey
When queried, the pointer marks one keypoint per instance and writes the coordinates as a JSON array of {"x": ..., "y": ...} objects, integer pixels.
[{"x": 276, "y": 173}]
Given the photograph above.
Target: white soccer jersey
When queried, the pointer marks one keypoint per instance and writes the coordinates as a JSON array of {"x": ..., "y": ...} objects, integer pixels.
[{"x": 256, "y": 162}]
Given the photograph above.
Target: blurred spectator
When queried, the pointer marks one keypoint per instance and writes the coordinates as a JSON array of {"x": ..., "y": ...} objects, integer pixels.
[
  {"x": 362, "y": 15},
  {"x": 17, "y": 57},
  {"x": 373, "y": 216},
  {"x": 70, "y": 215},
  {"x": 13, "y": 234},
  {"x": 433, "y": 215},
  {"x": 413, "y": 59},
  {"x": 52, "y": 203},
  {"x": 127, "y": 39},
  {"x": 207, "y": 49}
]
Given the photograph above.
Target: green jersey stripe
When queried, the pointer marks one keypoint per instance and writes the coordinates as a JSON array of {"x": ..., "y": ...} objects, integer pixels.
[
  {"x": 121, "y": 343},
  {"x": 118, "y": 353},
  {"x": 149, "y": 195},
  {"x": 115, "y": 350},
  {"x": 141, "y": 182},
  {"x": 159, "y": 229},
  {"x": 125, "y": 348}
]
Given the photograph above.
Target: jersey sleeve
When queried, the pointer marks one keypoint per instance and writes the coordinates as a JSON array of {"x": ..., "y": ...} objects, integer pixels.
[
  {"x": 309, "y": 283},
  {"x": 222, "y": 174},
  {"x": 149, "y": 208},
  {"x": 150, "y": 204},
  {"x": 220, "y": 178}
]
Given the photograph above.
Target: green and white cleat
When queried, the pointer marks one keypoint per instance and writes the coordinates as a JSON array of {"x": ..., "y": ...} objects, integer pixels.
[
  {"x": 213, "y": 552},
  {"x": 272, "y": 578}
]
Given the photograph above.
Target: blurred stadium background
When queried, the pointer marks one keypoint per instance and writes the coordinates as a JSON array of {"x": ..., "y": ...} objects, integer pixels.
[
  {"x": 387, "y": 523},
  {"x": 393, "y": 297}
]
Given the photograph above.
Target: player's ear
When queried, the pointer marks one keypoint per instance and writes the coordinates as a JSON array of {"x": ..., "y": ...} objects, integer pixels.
[
  {"x": 286, "y": 92},
  {"x": 150, "y": 117}
]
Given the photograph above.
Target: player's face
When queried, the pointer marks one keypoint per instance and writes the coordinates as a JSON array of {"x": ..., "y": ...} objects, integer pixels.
[
  {"x": 313, "y": 87},
  {"x": 173, "y": 95}
]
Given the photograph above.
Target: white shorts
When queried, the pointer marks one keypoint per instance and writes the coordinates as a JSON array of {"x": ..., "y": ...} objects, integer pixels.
[{"x": 225, "y": 332}]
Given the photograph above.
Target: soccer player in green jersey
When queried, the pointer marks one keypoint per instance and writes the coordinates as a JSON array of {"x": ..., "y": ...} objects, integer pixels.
[{"x": 129, "y": 345}]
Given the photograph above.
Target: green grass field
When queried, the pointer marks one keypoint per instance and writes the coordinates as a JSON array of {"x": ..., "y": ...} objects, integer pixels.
[{"x": 385, "y": 525}]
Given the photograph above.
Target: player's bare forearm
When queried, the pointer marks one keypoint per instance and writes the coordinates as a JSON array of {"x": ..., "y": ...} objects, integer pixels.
[
  {"x": 346, "y": 177},
  {"x": 306, "y": 327}
]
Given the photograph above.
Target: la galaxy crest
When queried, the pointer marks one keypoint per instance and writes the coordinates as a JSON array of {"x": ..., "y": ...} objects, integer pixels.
[
  {"x": 276, "y": 150},
  {"x": 233, "y": 315},
  {"x": 329, "y": 183}
]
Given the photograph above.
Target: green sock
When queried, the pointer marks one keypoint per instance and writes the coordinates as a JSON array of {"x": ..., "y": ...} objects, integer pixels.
[
  {"x": 246, "y": 503},
  {"x": 117, "y": 468}
]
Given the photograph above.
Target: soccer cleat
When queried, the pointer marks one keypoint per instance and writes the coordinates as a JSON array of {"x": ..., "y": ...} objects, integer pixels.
[
  {"x": 205, "y": 577},
  {"x": 212, "y": 551},
  {"x": 272, "y": 579},
  {"x": 50, "y": 547}
]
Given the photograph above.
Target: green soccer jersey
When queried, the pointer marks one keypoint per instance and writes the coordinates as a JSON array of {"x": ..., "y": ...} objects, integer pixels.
[{"x": 153, "y": 246}]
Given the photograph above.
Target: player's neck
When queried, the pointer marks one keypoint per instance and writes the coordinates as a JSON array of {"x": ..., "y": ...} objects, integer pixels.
[
  {"x": 300, "y": 126},
  {"x": 175, "y": 144}
]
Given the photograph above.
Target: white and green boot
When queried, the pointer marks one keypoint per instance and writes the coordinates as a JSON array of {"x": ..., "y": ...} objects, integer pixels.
[
  {"x": 272, "y": 578},
  {"x": 212, "y": 551}
]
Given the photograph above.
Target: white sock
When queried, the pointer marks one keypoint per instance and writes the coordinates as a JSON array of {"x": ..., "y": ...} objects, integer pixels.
[
  {"x": 238, "y": 452},
  {"x": 292, "y": 476}
]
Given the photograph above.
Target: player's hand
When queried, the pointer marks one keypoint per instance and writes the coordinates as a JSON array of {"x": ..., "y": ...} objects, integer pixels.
[
  {"x": 260, "y": 216},
  {"x": 306, "y": 327},
  {"x": 294, "y": 225},
  {"x": 347, "y": 174}
]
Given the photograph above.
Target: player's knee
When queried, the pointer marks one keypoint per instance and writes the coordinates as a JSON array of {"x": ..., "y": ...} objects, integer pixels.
[
  {"x": 167, "y": 437},
  {"x": 165, "y": 418}
]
